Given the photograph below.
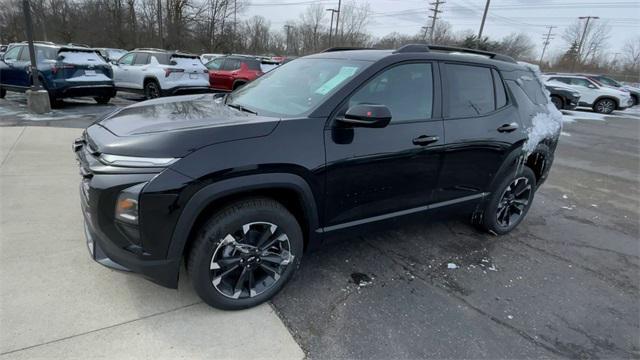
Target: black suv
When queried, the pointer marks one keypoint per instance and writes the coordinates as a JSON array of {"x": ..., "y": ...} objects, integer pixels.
[{"x": 241, "y": 185}]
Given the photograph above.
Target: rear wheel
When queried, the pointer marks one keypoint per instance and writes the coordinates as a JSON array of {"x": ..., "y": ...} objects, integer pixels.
[
  {"x": 3, "y": 93},
  {"x": 102, "y": 99},
  {"x": 604, "y": 106},
  {"x": 635, "y": 100},
  {"x": 509, "y": 202},
  {"x": 557, "y": 101},
  {"x": 151, "y": 89},
  {"x": 245, "y": 254},
  {"x": 238, "y": 84}
]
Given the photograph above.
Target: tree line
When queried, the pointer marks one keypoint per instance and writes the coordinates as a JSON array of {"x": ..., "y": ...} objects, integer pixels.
[{"x": 217, "y": 26}]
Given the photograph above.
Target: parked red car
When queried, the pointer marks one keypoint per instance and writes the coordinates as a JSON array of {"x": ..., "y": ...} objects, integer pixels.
[{"x": 227, "y": 73}]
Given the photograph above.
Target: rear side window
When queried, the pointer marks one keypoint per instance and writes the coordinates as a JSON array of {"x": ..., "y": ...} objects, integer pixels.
[
  {"x": 142, "y": 59},
  {"x": 231, "y": 64},
  {"x": 533, "y": 88},
  {"x": 162, "y": 58},
  {"x": 407, "y": 90},
  {"x": 469, "y": 91},
  {"x": 253, "y": 65}
]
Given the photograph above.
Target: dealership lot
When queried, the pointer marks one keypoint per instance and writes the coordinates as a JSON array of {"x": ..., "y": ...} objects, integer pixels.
[{"x": 564, "y": 284}]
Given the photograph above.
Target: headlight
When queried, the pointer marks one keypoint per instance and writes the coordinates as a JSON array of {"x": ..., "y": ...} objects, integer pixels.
[
  {"x": 134, "y": 161},
  {"x": 127, "y": 204}
]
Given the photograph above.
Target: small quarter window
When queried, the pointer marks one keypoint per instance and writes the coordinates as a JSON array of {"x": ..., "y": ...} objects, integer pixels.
[{"x": 501, "y": 95}]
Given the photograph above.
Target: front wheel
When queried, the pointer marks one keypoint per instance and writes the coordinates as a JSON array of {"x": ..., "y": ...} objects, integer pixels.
[
  {"x": 509, "y": 202},
  {"x": 245, "y": 254},
  {"x": 557, "y": 101},
  {"x": 604, "y": 106},
  {"x": 102, "y": 99}
]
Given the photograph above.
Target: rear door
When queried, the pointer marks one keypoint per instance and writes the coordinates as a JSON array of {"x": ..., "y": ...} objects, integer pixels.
[
  {"x": 226, "y": 75},
  {"x": 481, "y": 126}
]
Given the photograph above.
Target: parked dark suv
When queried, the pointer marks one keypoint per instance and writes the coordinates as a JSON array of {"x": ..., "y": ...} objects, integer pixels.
[
  {"x": 240, "y": 185},
  {"x": 64, "y": 71}
]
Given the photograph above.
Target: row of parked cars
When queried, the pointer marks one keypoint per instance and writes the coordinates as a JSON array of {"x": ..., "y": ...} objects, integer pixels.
[
  {"x": 598, "y": 92},
  {"x": 75, "y": 70}
]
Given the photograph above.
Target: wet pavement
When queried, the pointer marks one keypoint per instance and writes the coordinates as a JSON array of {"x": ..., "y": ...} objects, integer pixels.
[{"x": 565, "y": 283}]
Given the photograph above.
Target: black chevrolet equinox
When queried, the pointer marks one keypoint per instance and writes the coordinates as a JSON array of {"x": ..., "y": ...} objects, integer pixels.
[{"x": 239, "y": 186}]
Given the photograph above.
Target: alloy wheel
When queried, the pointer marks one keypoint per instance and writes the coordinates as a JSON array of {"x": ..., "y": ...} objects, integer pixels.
[
  {"x": 152, "y": 91},
  {"x": 605, "y": 106},
  {"x": 513, "y": 202},
  {"x": 250, "y": 260}
]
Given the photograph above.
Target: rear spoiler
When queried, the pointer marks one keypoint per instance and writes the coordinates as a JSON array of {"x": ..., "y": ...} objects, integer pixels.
[
  {"x": 185, "y": 55},
  {"x": 77, "y": 49}
]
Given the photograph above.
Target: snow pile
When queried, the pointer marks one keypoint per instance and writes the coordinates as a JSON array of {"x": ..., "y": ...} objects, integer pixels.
[
  {"x": 452, "y": 266},
  {"x": 545, "y": 124}
]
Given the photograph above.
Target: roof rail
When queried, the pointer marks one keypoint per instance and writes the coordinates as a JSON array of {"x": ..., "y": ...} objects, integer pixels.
[
  {"x": 344, "y": 48},
  {"x": 149, "y": 49},
  {"x": 426, "y": 48}
]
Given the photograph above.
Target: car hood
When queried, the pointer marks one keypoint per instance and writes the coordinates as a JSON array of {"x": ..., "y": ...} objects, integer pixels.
[{"x": 174, "y": 127}]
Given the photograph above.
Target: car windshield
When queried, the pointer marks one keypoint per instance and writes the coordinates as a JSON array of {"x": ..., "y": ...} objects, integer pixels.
[{"x": 297, "y": 87}]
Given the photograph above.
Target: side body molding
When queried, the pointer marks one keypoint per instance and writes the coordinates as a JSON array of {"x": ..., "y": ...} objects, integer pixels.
[{"x": 201, "y": 199}]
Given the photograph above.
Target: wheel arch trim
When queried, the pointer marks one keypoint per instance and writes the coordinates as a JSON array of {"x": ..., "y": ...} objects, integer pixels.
[{"x": 237, "y": 185}]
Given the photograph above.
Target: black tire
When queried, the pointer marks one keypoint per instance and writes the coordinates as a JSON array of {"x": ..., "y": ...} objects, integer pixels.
[
  {"x": 604, "y": 106},
  {"x": 238, "y": 84},
  {"x": 152, "y": 89},
  {"x": 493, "y": 217},
  {"x": 229, "y": 235},
  {"x": 3, "y": 93},
  {"x": 635, "y": 100},
  {"x": 54, "y": 101},
  {"x": 103, "y": 100},
  {"x": 557, "y": 101}
]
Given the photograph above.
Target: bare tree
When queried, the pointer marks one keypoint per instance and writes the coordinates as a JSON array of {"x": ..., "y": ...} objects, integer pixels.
[
  {"x": 517, "y": 45},
  {"x": 595, "y": 39},
  {"x": 631, "y": 54}
]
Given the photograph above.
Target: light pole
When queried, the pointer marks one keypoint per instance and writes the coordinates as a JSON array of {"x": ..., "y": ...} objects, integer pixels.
[
  {"x": 37, "y": 97},
  {"x": 584, "y": 33},
  {"x": 287, "y": 27},
  {"x": 333, "y": 11}
]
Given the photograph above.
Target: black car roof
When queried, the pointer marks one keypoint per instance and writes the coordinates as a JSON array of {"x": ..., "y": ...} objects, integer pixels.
[{"x": 452, "y": 54}]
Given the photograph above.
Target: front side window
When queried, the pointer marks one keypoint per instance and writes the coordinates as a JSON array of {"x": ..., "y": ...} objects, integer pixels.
[
  {"x": 215, "y": 64},
  {"x": 127, "y": 59},
  {"x": 581, "y": 82},
  {"x": 407, "y": 90},
  {"x": 297, "y": 87},
  {"x": 469, "y": 91},
  {"x": 12, "y": 54}
]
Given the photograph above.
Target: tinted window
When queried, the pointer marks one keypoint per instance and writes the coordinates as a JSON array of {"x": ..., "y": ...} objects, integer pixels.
[
  {"x": 231, "y": 64},
  {"x": 607, "y": 81},
  {"x": 470, "y": 91},
  {"x": 162, "y": 58},
  {"x": 501, "y": 95},
  {"x": 253, "y": 65},
  {"x": 127, "y": 59},
  {"x": 533, "y": 88},
  {"x": 407, "y": 90},
  {"x": 142, "y": 59},
  {"x": 215, "y": 64},
  {"x": 580, "y": 82},
  {"x": 12, "y": 54}
]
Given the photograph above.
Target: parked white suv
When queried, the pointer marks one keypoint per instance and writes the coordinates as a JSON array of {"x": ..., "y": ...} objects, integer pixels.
[
  {"x": 155, "y": 72},
  {"x": 601, "y": 99}
]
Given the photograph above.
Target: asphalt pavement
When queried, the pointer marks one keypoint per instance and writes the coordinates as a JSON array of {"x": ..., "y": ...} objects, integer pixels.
[{"x": 564, "y": 284}]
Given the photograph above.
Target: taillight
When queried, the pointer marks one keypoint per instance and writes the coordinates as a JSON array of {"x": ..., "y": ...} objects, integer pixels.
[
  {"x": 168, "y": 71},
  {"x": 58, "y": 67}
]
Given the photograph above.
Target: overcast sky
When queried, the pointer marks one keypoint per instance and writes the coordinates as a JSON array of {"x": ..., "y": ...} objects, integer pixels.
[{"x": 505, "y": 16}]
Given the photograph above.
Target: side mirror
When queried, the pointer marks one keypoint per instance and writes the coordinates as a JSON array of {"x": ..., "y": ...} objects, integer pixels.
[{"x": 365, "y": 115}]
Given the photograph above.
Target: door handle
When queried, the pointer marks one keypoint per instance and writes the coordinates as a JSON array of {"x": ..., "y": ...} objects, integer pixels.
[
  {"x": 424, "y": 140},
  {"x": 508, "y": 127}
]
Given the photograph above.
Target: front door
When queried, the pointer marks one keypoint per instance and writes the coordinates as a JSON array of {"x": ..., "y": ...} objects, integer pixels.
[
  {"x": 121, "y": 71},
  {"x": 14, "y": 70},
  {"x": 373, "y": 174}
]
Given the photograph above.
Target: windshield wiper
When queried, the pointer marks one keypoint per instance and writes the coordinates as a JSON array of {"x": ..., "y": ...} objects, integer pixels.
[{"x": 241, "y": 108}]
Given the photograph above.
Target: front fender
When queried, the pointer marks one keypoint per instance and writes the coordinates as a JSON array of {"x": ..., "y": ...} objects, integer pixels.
[{"x": 205, "y": 196}]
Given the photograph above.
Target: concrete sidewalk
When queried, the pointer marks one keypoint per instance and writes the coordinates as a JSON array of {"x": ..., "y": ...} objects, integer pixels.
[{"x": 55, "y": 302}]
